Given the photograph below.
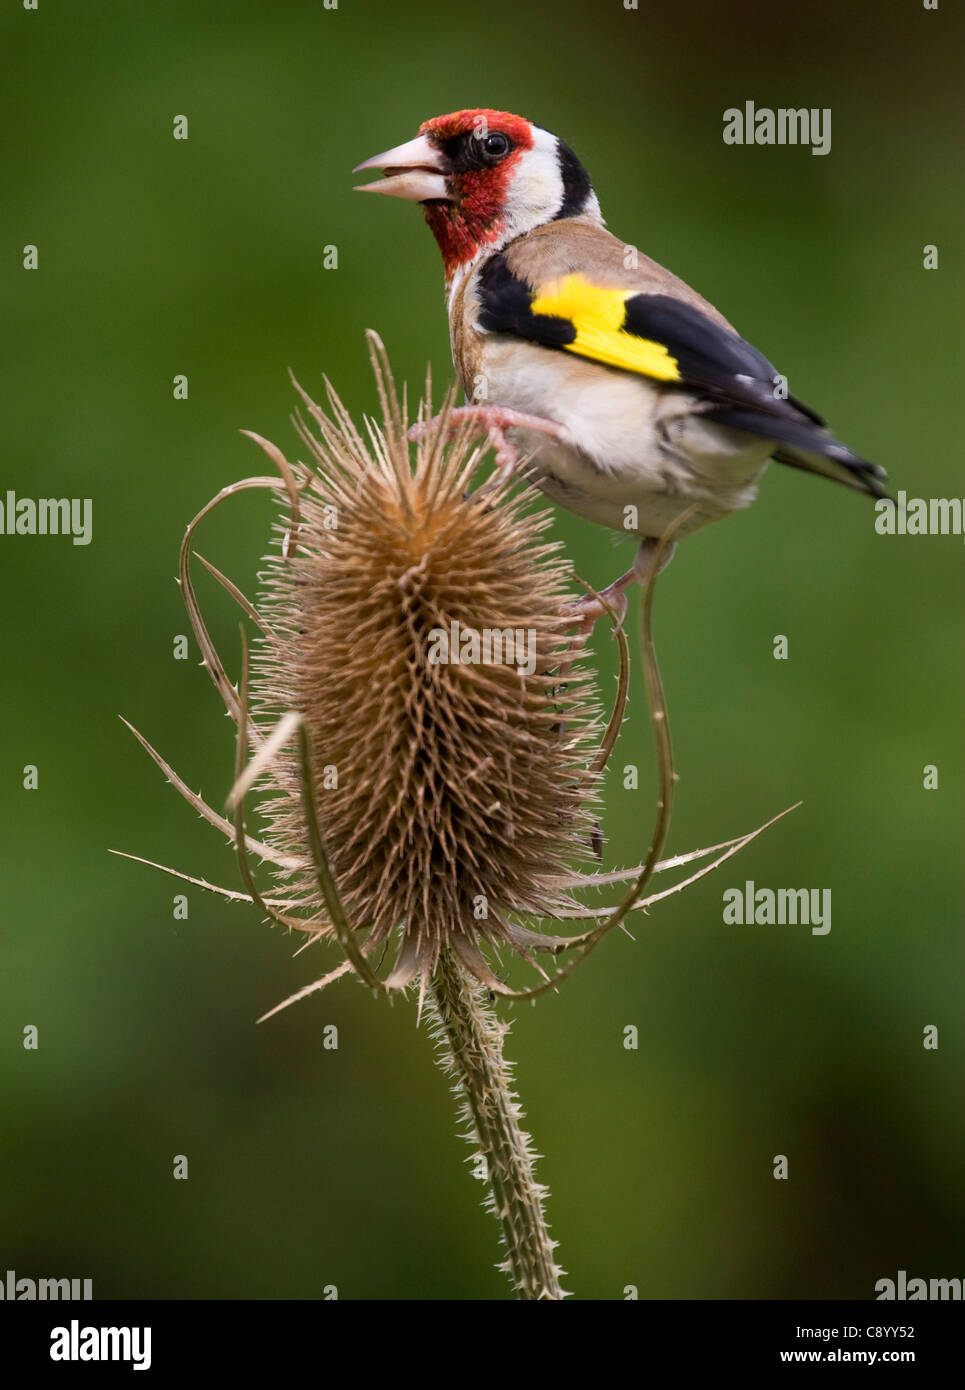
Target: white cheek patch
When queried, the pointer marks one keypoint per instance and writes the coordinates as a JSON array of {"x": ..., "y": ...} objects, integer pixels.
[{"x": 536, "y": 191}]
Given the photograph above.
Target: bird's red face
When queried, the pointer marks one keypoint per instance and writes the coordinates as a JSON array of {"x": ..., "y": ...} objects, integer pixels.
[{"x": 482, "y": 177}]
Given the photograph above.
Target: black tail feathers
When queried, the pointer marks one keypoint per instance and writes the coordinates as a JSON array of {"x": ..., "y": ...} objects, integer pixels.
[{"x": 805, "y": 444}]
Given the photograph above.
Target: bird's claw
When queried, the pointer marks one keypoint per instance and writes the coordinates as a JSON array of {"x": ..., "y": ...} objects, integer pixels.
[{"x": 611, "y": 603}]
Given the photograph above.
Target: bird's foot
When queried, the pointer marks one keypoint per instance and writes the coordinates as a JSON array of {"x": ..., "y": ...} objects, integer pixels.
[
  {"x": 494, "y": 421},
  {"x": 612, "y": 601}
]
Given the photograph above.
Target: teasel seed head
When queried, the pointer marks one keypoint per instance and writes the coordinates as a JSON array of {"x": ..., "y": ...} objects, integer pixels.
[{"x": 452, "y": 795}]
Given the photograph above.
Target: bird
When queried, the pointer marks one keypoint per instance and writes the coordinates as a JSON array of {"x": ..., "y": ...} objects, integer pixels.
[{"x": 634, "y": 402}]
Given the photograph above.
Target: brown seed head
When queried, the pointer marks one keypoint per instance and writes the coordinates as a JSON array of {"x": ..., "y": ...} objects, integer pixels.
[{"x": 451, "y": 794}]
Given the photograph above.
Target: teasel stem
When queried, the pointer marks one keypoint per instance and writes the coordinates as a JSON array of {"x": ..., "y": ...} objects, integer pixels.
[{"x": 470, "y": 1038}]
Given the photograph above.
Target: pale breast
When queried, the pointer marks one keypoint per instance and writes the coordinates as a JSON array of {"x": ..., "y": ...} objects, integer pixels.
[{"x": 637, "y": 454}]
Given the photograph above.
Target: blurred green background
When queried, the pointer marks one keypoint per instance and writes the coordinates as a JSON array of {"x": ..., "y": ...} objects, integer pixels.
[{"x": 205, "y": 257}]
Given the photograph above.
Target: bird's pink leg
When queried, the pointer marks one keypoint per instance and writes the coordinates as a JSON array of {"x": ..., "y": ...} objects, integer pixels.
[
  {"x": 494, "y": 421},
  {"x": 612, "y": 602},
  {"x": 589, "y": 610}
]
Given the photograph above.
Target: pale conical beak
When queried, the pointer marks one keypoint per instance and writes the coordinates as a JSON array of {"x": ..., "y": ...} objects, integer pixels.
[{"x": 414, "y": 170}]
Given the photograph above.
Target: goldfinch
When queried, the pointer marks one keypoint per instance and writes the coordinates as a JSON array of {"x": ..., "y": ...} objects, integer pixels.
[{"x": 633, "y": 397}]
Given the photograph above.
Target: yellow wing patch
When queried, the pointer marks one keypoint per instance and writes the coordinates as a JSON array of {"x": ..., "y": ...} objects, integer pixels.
[{"x": 597, "y": 315}]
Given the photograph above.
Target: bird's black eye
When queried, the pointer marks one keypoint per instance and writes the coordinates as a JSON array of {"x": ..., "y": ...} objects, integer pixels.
[
  {"x": 472, "y": 151},
  {"x": 497, "y": 145}
]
